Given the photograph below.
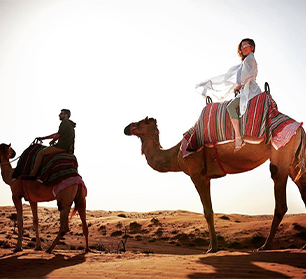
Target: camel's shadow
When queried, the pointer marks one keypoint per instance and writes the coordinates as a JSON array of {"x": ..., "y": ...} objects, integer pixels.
[
  {"x": 251, "y": 265},
  {"x": 21, "y": 265}
]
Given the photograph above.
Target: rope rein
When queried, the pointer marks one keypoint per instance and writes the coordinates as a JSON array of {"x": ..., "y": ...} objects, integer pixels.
[{"x": 9, "y": 162}]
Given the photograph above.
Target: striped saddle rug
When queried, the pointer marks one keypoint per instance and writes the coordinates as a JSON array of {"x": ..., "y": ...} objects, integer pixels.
[
  {"x": 55, "y": 167},
  {"x": 261, "y": 120}
]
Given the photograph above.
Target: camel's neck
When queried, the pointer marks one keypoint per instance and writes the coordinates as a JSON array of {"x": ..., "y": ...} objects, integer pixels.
[
  {"x": 6, "y": 171},
  {"x": 159, "y": 159}
]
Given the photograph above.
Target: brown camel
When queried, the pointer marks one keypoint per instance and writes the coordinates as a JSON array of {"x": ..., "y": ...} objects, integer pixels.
[
  {"x": 202, "y": 166},
  {"x": 37, "y": 192}
]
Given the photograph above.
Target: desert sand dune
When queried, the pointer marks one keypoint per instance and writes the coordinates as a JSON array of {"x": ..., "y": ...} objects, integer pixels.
[{"x": 161, "y": 244}]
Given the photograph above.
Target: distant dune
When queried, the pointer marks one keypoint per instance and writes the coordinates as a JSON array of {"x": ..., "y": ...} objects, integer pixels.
[{"x": 161, "y": 244}]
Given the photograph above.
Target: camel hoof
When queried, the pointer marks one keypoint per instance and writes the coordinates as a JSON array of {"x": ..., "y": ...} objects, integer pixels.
[
  {"x": 211, "y": 250},
  {"x": 262, "y": 248},
  {"x": 17, "y": 250}
]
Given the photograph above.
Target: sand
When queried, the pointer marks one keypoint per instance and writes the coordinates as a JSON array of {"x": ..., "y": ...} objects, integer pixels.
[{"x": 161, "y": 244}]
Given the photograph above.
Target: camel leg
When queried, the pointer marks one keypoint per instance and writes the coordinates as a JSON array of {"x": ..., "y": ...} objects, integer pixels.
[
  {"x": 80, "y": 206},
  {"x": 82, "y": 213},
  {"x": 279, "y": 168},
  {"x": 202, "y": 185},
  {"x": 35, "y": 225},
  {"x": 64, "y": 201},
  {"x": 18, "y": 206},
  {"x": 279, "y": 211},
  {"x": 301, "y": 183},
  {"x": 64, "y": 228}
]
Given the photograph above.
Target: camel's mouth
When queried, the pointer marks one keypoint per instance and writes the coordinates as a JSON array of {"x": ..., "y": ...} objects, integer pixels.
[
  {"x": 12, "y": 153},
  {"x": 128, "y": 130}
]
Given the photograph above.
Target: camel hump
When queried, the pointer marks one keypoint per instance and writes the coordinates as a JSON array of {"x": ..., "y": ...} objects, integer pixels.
[{"x": 55, "y": 167}]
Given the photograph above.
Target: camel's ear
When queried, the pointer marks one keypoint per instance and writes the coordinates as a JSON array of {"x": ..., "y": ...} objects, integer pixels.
[
  {"x": 147, "y": 120},
  {"x": 10, "y": 145}
]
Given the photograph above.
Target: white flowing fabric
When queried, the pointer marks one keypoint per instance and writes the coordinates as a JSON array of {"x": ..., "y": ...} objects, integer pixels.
[{"x": 244, "y": 74}]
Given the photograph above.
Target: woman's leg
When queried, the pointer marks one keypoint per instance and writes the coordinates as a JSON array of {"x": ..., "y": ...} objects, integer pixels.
[{"x": 232, "y": 110}]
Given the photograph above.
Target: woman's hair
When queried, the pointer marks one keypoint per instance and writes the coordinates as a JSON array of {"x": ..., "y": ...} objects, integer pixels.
[{"x": 250, "y": 41}]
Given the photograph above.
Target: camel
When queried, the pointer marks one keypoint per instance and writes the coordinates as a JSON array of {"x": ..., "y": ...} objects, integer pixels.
[
  {"x": 202, "y": 166},
  {"x": 37, "y": 192}
]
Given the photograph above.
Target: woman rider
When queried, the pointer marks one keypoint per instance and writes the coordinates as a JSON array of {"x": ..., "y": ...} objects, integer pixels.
[{"x": 241, "y": 78}]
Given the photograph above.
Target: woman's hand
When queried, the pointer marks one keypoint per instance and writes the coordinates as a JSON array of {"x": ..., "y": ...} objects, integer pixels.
[{"x": 238, "y": 87}]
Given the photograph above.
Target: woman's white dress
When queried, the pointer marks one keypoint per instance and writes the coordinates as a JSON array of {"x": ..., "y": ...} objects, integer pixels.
[{"x": 244, "y": 74}]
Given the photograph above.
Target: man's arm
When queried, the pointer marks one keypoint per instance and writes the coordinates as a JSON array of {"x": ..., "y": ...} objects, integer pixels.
[{"x": 54, "y": 138}]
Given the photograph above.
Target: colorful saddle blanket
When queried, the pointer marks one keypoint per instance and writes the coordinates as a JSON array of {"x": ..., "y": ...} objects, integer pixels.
[
  {"x": 261, "y": 120},
  {"x": 55, "y": 167}
]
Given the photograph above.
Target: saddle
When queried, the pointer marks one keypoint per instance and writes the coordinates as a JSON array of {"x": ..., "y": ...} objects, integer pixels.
[
  {"x": 261, "y": 120},
  {"x": 54, "y": 168}
]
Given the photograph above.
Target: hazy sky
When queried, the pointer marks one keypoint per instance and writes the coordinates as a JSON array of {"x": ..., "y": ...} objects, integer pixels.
[{"x": 112, "y": 62}]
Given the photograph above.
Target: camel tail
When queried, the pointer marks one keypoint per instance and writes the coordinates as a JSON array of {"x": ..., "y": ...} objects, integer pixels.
[
  {"x": 300, "y": 157},
  {"x": 72, "y": 213},
  {"x": 77, "y": 202}
]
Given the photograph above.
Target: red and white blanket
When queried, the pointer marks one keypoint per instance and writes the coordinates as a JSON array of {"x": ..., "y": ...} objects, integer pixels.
[{"x": 261, "y": 120}]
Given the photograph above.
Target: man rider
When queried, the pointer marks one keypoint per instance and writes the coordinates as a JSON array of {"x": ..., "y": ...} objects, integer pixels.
[{"x": 65, "y": 141}]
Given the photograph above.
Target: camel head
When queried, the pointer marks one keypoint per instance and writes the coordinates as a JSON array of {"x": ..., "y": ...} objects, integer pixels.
[
  {"x": 142, "y": 128},
  {"x": 6, "y": 151}
]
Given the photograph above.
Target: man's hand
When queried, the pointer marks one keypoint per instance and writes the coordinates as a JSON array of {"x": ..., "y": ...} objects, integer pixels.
[
  {"x": 40, "y": 139},
  {"x": 52, "y": 142}
]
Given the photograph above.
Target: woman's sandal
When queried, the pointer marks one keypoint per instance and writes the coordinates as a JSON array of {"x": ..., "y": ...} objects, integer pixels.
[{"x": 238, "y": 146}]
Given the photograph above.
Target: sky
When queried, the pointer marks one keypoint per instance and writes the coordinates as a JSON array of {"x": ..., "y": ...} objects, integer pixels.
[{"x": 113, "y": 62}]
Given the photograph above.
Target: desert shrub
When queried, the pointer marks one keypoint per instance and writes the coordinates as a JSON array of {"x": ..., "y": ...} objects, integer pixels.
[
  {"x": 102, "y": 229},
  {"x": 234, "y": 245},
  {"x": 31, "y": 244},
  {"x": 138, "y": 237},
  {"x": 159, "y": 232},
  {"x": 116, "y": 233},
  {"x": 165, "y": 238},
  {"x": 119, "y": 225},
  {"x": 13, "y": 217},
  {"x": 298, "y": 227},
  {"x": 155, "y": 221},
  {"x": 220, "y": 238},
  {"x": 183, "y": 238},
  {"x": 301, "y": 234},
  {"x": 135, "y": 227},
  {"x": 147, "y": 252},
  {"x": 200, "y": 242},
  {"x": 4, "y": 244},
  {"x": 257, "y": 239},
  {"x": 224, "y": 217},
  {"x": 122, "y": 215}
]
